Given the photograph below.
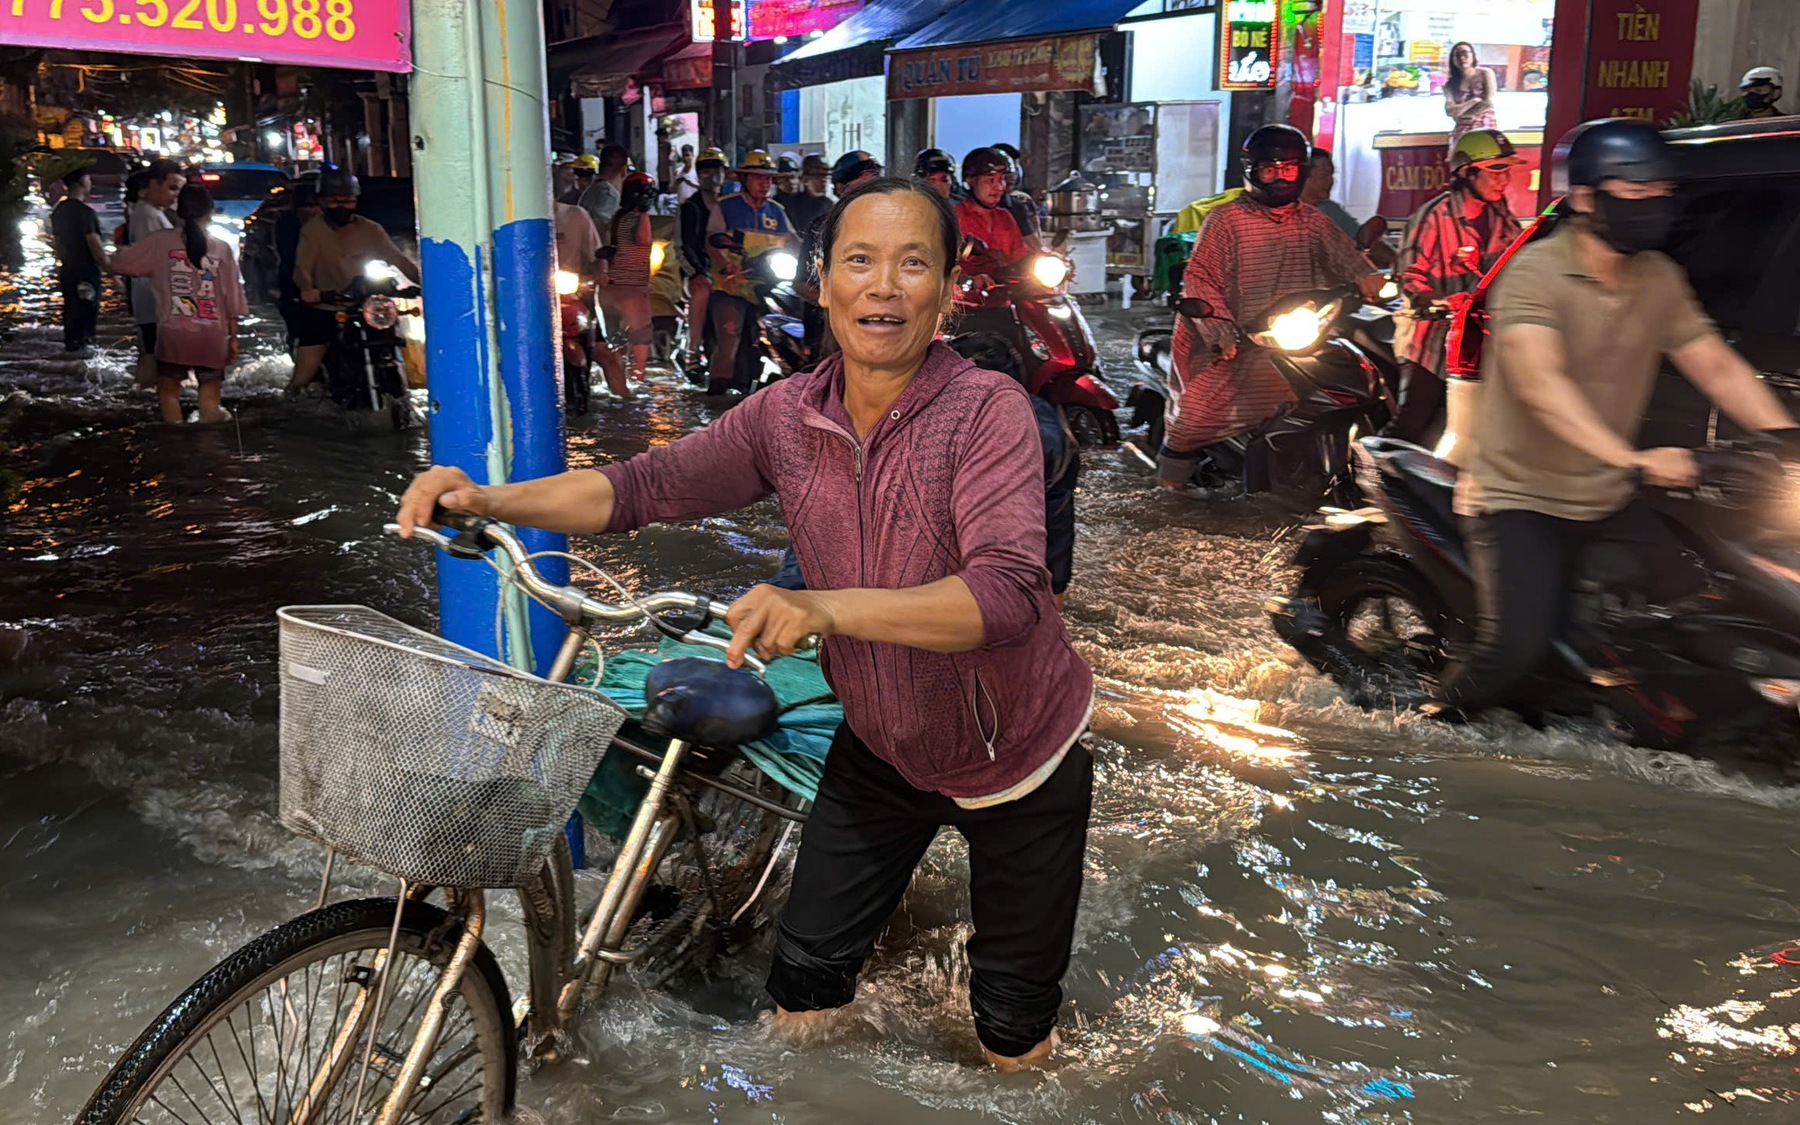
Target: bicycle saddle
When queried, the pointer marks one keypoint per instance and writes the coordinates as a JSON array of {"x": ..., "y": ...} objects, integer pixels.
[{"x": 706, "y": 703}]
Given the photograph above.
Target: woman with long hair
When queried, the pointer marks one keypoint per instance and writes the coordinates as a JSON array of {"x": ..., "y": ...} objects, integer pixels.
[
  {"x": 1469, "y": 90},
  {"x": 199, "y": 301}
]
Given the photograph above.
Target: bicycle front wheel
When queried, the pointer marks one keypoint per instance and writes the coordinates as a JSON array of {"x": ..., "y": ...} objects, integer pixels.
[{"x": 254, "y": 1038}]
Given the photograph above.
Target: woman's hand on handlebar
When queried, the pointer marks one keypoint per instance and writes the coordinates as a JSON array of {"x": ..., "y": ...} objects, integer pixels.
[
  {"x": 775, "y": 622},
  {"x": 1668, "y": 467},
  {"x": 437, "y": 485}
]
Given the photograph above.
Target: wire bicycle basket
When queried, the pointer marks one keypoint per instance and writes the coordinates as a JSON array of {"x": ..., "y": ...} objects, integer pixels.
[{"x": 424, "y": 759}]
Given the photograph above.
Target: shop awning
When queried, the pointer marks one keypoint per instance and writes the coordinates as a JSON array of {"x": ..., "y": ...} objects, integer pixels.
[
  {"x": 611, "y": 62},
  {"x": 991, "y": 21},
  {"x": 857, "y": 47},
  {"x": 690, "y": 68}
]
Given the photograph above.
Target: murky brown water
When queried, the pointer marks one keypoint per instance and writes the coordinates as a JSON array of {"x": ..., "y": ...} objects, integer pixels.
[{"x": 1295, "y": 911}]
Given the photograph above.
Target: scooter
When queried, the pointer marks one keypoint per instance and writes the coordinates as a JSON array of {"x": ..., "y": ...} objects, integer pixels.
[
  {"x": 365, "y": 366},
  {"x": 773, "y": 345},
  {"x": 1336, "y": 355},
  {"x": 1030, "y": 306},
  {"x": 1389, "y": 588},
  {"x": 584, "y": 340}
]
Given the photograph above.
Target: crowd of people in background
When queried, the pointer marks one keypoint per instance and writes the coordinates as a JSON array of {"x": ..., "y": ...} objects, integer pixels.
[{"x": 186, "y": 295}]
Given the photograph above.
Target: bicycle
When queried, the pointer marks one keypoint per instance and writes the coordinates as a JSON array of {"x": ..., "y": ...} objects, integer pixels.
[{"x": 395, "y": 1006}]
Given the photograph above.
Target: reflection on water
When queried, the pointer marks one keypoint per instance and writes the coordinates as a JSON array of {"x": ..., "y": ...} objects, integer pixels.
[{"x": 1294, "y": 911}]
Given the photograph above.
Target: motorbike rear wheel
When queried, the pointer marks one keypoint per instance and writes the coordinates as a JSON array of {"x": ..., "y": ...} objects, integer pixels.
[
  {"x": 1093, "y": 427},
  {"x": 578, "y": 387},
  {"x": 1388, "y": 612}
]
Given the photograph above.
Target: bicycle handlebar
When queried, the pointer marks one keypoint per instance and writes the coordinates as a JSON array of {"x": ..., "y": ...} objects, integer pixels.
[{"x": 475, "y": 535}]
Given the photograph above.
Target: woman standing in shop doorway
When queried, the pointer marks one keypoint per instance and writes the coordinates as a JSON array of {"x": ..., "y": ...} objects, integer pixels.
[{"x": 1469, "y": 93}]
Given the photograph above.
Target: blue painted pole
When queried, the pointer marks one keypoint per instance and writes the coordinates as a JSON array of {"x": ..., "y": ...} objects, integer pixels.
[{"x": 486, "y": 247}]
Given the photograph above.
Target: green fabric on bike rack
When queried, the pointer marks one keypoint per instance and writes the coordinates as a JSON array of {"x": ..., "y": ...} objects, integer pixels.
[{"x": 793, "y": 757}]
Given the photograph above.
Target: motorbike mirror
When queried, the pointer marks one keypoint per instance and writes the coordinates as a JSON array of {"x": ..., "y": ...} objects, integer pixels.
[
  {"x": 1371, "y": 232},
  {"x": 722, "y": 241},
  {"x": 1193, "y": 308},
  {"x": 606, "y": 253},
  {"x": 1061, "y": 240},
  {"x": 973, "y": 247}
]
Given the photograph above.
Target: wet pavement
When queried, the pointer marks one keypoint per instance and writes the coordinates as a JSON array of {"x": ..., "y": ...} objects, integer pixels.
[{"x": 1295, "y": 911}]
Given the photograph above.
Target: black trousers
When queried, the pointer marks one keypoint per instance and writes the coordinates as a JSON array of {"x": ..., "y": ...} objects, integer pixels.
[
  {"x": 865, "y": 834},
  {"x": 81, "y": 312},
  {"x": 1525, "y": 564}
]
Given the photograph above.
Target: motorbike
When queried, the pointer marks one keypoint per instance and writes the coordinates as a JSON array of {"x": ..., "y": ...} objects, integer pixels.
[
  {"x": 773, "y": 345},
  {"x": 1389, "y": 588},
  {"x": 365, "y": 366},
  {"x": 1337, "y": 356},
  {"x": 584, "y": 341},
  {"x": 668, "y": 298},
  {"x": 1029, "y": 305}
]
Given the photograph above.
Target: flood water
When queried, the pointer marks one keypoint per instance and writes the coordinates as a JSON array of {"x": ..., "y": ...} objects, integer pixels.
[{"x": 1294, "y": 911}]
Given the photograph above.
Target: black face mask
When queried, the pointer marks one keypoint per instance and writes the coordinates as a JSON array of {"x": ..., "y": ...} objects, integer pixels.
[
  {"x": 1631, "y": 226},
  {"x": 339, "y": 216},
  {"x": 1760, "y": 101},
  {"x": 1278, "y": 194}
]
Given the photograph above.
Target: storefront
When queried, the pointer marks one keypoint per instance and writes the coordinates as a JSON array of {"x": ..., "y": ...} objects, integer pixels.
[
  {"x": 841, "y": 76},
  {"x": 978, "y": 61},
  {"x": 1390, "y": 130},
  {"x": 1366, "y": 78}
]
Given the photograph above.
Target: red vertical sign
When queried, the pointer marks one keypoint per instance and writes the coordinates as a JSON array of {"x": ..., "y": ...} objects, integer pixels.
[
  {"x": 1609, "y": 58},
  {"x": 1639, "y": 58}
]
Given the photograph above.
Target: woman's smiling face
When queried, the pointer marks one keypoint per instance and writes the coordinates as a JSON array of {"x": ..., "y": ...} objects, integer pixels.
[{"x": 888, "y": 282}]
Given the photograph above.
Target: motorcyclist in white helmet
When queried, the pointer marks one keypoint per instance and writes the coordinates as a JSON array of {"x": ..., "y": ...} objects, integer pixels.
[{"x": 1761, "y": 89}]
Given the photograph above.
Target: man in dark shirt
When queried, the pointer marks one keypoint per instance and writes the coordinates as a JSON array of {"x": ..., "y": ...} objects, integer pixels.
[
  {"x": 75, "y": 229},
  {"x": 696, "y": 214},
  {"x": 1019, "y": 204},
  {"x": 303, "y": 207},
  {"x": 808, "y": 205}
]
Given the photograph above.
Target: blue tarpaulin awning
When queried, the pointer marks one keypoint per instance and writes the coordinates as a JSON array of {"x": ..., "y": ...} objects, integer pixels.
[
  {"x": 989, "y": 21},
  {"x": 856, "y": 47}
]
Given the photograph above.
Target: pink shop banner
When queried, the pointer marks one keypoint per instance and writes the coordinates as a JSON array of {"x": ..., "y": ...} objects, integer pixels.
[{"x": 350, "y": 34}]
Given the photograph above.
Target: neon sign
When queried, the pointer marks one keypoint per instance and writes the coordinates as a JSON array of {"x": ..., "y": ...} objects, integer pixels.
[{"x": 1249, "y": 44}]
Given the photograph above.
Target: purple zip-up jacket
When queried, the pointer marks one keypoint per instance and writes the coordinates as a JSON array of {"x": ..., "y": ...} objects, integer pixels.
[{"x": 951, "y": 482}]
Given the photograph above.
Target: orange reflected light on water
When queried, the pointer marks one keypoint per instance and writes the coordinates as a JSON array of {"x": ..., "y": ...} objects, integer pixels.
[{"x": 1231, "y": 724}]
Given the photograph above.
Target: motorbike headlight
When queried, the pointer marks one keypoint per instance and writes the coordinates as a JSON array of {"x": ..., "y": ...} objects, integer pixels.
[
  {"x": 1297, "y": 329},
  {"x": 381, "y": 271},
  {"x": 784, "y": 266},
  {"x": 1390, "y": 290},
  {"x": 659, "y": 251},
  {"x": 567, "y": 283},
  {"x": 380, "y": 312},
  {"x": 1049, "y": 271}
]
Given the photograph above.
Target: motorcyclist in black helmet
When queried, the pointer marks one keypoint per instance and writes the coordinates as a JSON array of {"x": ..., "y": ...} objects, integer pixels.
[
  {"x": 1581, "y": 322},
  {"x": 1261, "y": 246},
  {"x": 937, "y": 168},
  {"x": 983, "y": 218},
  {"x": 851, "y": 169},
  {"x": 334, "y": 250},
  {"x": 1023, "y": 207}
]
